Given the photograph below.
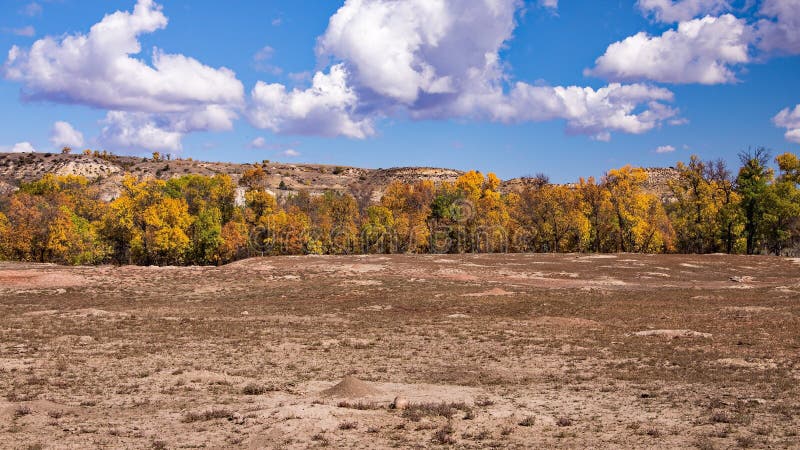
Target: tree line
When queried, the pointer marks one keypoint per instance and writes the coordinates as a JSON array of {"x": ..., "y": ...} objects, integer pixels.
[{"x": 195, "y": 219}]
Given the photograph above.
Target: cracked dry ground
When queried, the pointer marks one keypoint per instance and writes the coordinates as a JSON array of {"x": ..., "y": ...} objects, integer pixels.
[{"x": 490, "y": 350}]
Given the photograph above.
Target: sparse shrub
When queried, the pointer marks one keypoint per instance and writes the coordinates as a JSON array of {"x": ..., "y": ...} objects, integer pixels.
[
  {"x": 256, "y": 389},
  {"x": 564, "y": 422},
  {"x": 347, "y": 425},
  {"x": 444, "y": 435},
  {"x": 22, "y": 410},
  {"x": 653, "y": 432},
  {"x": 528, "y": 421},
  {"x": 416, "y": 411},
  {"x": 358, "y": 405},
  {"x": 212, "y": 414},
  {"x": 321, "y": 439},
  {"x": 720, "y": 417},
  {"x": 483, "y": 401}
]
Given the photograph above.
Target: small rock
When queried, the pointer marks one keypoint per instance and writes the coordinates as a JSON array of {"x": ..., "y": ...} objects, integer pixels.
[
  {"x": 399, "y": 403},
  {"x": 245, "y": 313}
]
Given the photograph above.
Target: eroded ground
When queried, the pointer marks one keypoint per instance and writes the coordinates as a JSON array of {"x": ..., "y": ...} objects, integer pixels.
[{"x": 489, "y": 351}]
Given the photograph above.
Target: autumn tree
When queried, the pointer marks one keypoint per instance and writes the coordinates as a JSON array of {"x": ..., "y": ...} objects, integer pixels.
[
  {"x": 597, "y": 208},
  {"x": 781, "y": 220},
  {"x": 640, "y": 222}
]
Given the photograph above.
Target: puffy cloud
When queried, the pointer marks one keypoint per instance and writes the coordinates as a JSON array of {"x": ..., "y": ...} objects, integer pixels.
[
  {"x": 64, "y": 135},
  {"x": 790, "y": 119},
  {"x": 97, "y": 70},
  {"x": 780, "y": 32},
  {"x": 327, "y": 108},
  {"x": 23, "y": 147},
  {"x": 423, "y": 59},
  {"x": 665, "y": 149},
  {"x": 699, "y": 51},
  {"x": 615, "y": 107},
  {"x": 138, "y": 132},
  {"x": 416, "y": 51},
  {"x": 670, "y": 11},
  {"x": 291, "y": 153}
]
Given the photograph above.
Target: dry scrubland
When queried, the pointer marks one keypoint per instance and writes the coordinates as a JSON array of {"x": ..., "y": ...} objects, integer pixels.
[{"x": 488, "y": 350}]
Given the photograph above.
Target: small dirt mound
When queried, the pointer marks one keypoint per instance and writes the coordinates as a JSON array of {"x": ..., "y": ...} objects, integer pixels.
[{"x": 350, "y": 387}]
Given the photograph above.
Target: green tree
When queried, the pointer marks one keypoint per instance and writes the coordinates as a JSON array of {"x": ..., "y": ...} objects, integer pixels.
[{"x": 753, "y": 182}]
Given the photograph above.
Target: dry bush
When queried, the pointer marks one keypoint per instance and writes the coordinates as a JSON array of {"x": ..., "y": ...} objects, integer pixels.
[
  {"x": 219, "y": 413},
  {"x": 416, "y": 411},
  {"x": 348, "y": 425}
]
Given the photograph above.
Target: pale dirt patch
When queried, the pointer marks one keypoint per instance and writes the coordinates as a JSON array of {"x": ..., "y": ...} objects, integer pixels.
[
  {"x": 95, "y": 313},
  {"x": 590, "y": 257},
  {"x": 741, "y": 362},
  {"x": 362, "y": 282},
  {"x": 32, "y": 280},
  {"x": 455, "y": 274},
  {"x": 44, "y": 312},
  {"x": 490, "y": 292},
  {"x": 657, "y": 274},
  {"x": 551, "y": 321},
  {"x": 457, "y": 316},
  {"x": 673, "y": 333},
  {"x": 375, "y": 308},
  {"x": 750, "y": 308}
]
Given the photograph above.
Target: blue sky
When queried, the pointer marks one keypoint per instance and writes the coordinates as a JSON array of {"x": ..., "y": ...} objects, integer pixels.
[{"x": 569, "y": 88}]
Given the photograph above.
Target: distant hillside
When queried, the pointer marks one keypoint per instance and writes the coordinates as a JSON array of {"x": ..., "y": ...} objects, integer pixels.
[{"x": 364, "y": 184}]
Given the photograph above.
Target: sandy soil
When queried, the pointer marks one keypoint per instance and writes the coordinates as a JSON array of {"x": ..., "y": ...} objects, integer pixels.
[{"x": 506, "y": 351}]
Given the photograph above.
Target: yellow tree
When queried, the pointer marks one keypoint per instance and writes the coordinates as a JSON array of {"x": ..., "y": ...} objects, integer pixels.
[
  {"x": 641, "y": 225},
  {"x": 166, "y": 239},
  {"x": 378, "y": 231},
  {"x": 596, "y": 206}
]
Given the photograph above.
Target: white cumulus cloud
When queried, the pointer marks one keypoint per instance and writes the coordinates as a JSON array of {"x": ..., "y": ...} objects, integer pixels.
[
  {"x": 99, "y": 70},
  {"x": 291, "y": 153},
  {"x": 327, "y": 108},
  {"x": 703, "y": 51},
  {"x": 64, "y": 135},
  {"x": 138, "y": 132},
  {"x": 670, "y": 11},
  {"x": 23, "y": 147},
  {"x": 789, "y": 119},
  {"x": 780, "y": 31},
  {"x": 424, "y": 59}
]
